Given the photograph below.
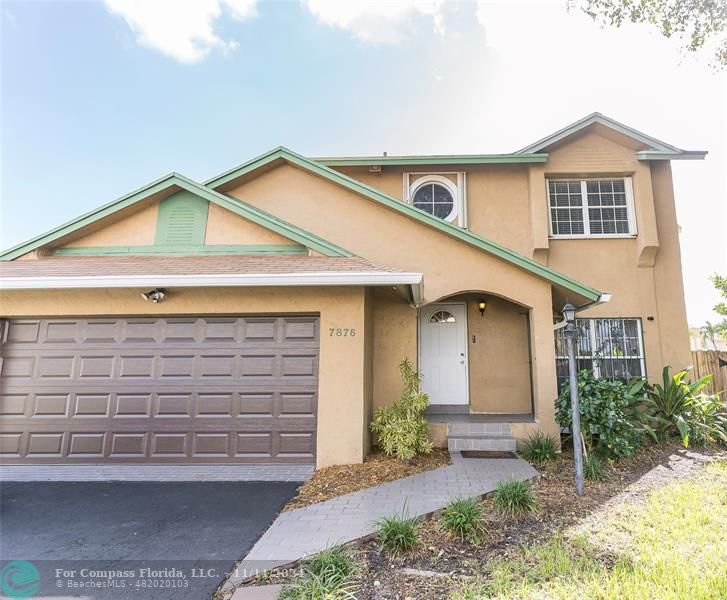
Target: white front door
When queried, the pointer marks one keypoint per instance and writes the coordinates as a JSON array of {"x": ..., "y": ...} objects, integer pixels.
[{"x": 443, "y": 353}]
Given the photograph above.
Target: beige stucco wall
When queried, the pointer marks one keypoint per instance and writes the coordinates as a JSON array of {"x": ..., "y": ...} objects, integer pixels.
[
  {"x": 499, "y": 357},
  {"x": 137, "y": 229},
  {"x": 643, "y": 273},
  {"x": 449, "y": 267},
  {"x": 341, "y": 403},
  {"x": 508, "y": 204},
  {"x": 224, "y": 227}
]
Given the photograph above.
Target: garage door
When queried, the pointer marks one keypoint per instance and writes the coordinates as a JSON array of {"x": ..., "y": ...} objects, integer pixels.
[{"x": 159, "y": 390}]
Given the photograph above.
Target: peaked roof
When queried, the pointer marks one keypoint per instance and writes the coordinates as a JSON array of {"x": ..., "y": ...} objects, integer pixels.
[
  {"x": 657, "y": 150},
  {"x": 175, "y": 180},
  {"x": 283, "y": 154}
]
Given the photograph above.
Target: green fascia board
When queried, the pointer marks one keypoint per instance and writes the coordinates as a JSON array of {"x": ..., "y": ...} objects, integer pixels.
[
  {"x": 451, "y": 159},
  {"x": 182, "y": 183},
  {"x": 161, "y": 250},
  {"x": 597, "y": 117},
  {"x": 410, "y": 211}
]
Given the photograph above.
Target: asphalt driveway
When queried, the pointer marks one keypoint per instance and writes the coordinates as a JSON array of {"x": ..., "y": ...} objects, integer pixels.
[{"x": 95, "y": 540}]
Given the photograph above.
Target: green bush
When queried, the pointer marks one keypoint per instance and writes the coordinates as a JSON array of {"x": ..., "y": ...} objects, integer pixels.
[
  {"x": 611, "y": 418},
  {"x": 539, "y": 448},
  {"x": 402, "y": 427},
  {"x": 463, "y": 518},
  {"x": 677, "y": 407},
  {"x": 593, "y": 469},
  {"x": 514, "y": 497},
  {"x": 398, "y": 534},
  {"x": 329, "y": 575}
]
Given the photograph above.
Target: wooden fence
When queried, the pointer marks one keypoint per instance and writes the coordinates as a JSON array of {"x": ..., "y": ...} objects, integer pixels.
[{"x": 714, "y": 362}]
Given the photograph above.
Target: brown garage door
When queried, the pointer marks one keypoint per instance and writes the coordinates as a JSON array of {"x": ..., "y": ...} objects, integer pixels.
[{"x": 159, "y": 390}]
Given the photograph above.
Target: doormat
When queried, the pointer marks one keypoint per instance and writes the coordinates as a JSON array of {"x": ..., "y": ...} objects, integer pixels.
[{"x": 487, "y": 454}]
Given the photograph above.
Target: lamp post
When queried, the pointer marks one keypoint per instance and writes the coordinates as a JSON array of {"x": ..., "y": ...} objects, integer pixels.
[{"x": 569, "y": 314}]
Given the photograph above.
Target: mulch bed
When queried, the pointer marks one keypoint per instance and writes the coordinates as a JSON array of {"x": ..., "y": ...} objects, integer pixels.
[
  {"x": 376, "y": 469},
  {"x": 431, "y": 572}
]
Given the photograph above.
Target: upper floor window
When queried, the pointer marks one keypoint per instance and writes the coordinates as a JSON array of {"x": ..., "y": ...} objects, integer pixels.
[
  {"x": 440, "y": 195},
  {"x": 591, "y": 207}
]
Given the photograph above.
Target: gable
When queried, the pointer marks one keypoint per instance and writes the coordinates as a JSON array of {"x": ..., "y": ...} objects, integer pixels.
[
  {"x": 645, "y": 147},
  {"x": 270, "y": 162},
  {"x": 179, "y": 209},
  {"x": 389, "y": 237},
  {"x": 590, "y": 152}
]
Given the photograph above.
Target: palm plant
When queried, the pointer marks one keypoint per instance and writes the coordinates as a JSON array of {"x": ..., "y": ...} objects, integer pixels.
[{"x": 671, "y": 404}]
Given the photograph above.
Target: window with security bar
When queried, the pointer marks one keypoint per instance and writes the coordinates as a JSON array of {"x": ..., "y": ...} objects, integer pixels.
[{"x": 611, "y": 348}]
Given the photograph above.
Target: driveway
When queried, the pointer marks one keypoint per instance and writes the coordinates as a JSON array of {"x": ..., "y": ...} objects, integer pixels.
[{"x": 94, "y": 540}]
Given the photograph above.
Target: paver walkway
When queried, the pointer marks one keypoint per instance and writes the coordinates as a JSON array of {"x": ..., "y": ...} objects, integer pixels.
[{"x": 309, "y": 530}]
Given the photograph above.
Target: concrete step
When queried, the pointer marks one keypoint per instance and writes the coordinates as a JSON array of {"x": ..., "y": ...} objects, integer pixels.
[
  {"x": 479, "y": 429},
  {"x": 494, "y": 443}
]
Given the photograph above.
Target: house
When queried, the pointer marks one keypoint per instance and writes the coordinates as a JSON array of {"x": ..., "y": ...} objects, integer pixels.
[{"x": 260, "y": 317}]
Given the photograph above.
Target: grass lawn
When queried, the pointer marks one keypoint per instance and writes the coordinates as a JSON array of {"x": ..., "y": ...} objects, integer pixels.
[{"x": 672, "y": 546}]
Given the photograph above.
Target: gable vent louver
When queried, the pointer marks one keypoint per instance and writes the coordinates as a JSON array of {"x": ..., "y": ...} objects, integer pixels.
[{"x": 182, "y": 221}]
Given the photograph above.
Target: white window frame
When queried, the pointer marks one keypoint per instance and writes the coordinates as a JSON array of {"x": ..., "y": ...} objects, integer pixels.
[
  {"x": 630, "y": 210},
  {"x": 593, "y": 345},
  {"x": 414, "y": 180}
]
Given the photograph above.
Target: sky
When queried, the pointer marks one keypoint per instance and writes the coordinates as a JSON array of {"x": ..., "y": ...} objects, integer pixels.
[{"x": 100, "y": 97}]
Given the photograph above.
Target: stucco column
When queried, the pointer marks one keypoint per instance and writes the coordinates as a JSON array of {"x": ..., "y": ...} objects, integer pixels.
[
  {"x": 342, "y": 411},
  {"x": 545, "y": 389}
]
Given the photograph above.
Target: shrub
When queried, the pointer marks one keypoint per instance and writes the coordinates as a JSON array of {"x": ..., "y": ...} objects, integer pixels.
[
  {"x": 676, "y": 407},
  {"x": 463, "y": 518},
  {"x": 539, "y": 448},
  {"x": 610, "y": 413},
  {"x": 326, "y": 576},
  {"x": 514, "y": 497},
  {"x": 593, "y": 469},
  {"x": 398, "y": 534},
  {"x": 402, "y": 427}
]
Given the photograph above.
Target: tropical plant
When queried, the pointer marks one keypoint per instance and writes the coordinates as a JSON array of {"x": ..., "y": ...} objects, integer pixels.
[
  {"x": 514, "y": 497},
  {"x": 593, "y": 469},
  {"x": 707, "y": 420},
  {"x": 709, "y": 332},
  {"x": 398, "y": 534},
  {"x": 463, "y": 517},
  {"x": 402, "y": 428},
  {"x": 329, "y": 575},
  {"x": 676, "y": 407},
  {"x": 612, "y": 421},
  {"x": 539, "y": 448}
]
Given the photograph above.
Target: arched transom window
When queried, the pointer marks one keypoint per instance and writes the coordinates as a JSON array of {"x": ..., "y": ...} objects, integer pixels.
[{"x": 442, "y": 316}]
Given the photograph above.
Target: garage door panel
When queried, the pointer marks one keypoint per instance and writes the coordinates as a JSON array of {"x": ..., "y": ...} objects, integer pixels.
[{"x": 227, "y": 389}]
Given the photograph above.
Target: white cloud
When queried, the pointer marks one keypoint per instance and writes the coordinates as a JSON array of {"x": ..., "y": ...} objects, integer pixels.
[
  {"x": 182, "y": 29},
  {"x": 376, "y": 21}
]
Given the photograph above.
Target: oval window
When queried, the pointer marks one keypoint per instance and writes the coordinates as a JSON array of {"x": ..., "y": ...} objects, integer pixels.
[
  {"x": 442, "y": 316},
  {"x": 434, "y": 198}
]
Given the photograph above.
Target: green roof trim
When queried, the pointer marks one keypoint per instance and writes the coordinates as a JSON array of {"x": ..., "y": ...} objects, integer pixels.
[
  {"x": 658, "y": 150},
  {"x": 443, "y": 159},
  {"x": 235, "y": 205},
  {"x": 407, "y": 209}
]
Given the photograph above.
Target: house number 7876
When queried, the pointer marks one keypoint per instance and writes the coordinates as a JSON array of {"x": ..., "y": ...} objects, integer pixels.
[{"x": 341, "y": 332}]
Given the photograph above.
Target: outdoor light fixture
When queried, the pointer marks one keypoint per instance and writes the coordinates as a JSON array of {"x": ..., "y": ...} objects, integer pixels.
[
  {"x": 156, "y": 295},
  {"x": 482, "y": 305},
  {"x": 569, "y": 312}
]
